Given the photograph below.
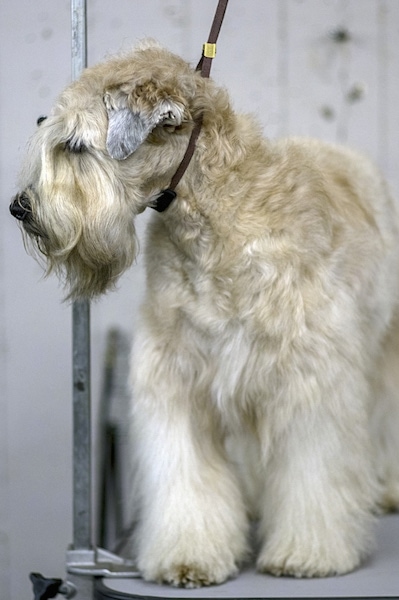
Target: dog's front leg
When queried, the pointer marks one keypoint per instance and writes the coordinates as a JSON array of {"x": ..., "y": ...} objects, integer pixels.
[
  {"x": 192, "y": 522},
  {"x": 320, "y": 488}
]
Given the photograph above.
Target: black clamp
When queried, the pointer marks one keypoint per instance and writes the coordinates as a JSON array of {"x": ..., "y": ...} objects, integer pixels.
[{"x": 46, "y": 588}]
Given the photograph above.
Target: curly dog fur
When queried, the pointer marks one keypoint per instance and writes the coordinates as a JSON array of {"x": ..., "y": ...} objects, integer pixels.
[{"x": 265, "y": 369}]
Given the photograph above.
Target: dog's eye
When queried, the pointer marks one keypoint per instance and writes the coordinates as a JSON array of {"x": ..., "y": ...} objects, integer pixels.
[
  {"x": 75, "y": 146},
  {"x": 40, "y": 120}
]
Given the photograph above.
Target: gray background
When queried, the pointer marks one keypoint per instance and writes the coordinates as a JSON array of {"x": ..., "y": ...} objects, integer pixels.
[{"x": 278, "y": 58}]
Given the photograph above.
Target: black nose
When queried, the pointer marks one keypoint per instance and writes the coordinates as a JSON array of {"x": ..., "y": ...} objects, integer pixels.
[{"x": 20, "y": 207}]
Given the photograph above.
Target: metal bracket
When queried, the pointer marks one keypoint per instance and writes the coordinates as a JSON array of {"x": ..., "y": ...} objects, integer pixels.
[{"x": 100, "y": 563}]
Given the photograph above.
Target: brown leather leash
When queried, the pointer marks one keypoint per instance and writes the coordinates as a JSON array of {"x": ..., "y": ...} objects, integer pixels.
[{"x": 167, "y": 196}]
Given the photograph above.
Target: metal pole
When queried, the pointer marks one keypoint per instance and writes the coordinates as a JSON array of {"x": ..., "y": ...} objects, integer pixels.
[
  {"x": 79, "y": 37},
  {"x": 82, "y": 518},
  {"x": 82, "y": 487}
]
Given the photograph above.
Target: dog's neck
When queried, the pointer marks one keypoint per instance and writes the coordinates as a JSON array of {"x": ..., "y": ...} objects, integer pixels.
[
  {"x": 212, "y": 185},
  {"x": 213, "y": 196},
  {"x": 213, "y": 190}
]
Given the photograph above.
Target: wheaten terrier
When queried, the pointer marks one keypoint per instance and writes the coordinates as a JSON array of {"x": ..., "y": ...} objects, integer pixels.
[{"x": 265, "y": 369}]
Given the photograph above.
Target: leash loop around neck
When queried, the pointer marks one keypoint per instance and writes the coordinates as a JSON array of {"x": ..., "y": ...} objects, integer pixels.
[{"x": 166, "y": 197}]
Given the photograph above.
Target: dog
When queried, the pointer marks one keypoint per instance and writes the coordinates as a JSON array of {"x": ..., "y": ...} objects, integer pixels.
[{"x": 265, "y": 370}]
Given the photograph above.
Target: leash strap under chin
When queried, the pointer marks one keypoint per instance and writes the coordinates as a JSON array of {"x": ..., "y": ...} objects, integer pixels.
[{"x": 167, "y": 196}]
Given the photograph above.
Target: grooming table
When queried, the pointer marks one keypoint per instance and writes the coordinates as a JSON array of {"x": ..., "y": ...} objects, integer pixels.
[{"x": 377, "y": 578}]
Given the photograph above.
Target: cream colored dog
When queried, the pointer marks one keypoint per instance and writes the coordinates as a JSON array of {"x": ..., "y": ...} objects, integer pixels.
[{"x": 265, "y": 370}]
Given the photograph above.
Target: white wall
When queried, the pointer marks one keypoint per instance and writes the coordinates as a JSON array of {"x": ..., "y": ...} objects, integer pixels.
[{"x": 279, "y": 59}]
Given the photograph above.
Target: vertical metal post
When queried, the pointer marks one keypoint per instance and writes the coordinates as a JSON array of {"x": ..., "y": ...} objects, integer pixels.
[
  {"x": 82, "y": 517},
  {"x": 79, "y": 37},
  {"x": 82, "y": 487}
]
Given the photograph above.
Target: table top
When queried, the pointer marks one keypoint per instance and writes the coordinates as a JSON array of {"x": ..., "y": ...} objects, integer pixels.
[{"x": 377, "y": 578}]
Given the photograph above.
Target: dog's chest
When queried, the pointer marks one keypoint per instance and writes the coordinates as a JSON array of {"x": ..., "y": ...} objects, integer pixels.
[
  {"x": 225, "y": 301},
  {"x": 225, "y": 318},
  {"x": 217, "y": 300},
  {"x": 231, "y": 310}
]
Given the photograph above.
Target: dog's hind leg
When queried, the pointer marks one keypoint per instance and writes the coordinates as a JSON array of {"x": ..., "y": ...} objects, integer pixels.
[
  {"x": 192, "y": 522},
  {"x": 385, "y": 418}
]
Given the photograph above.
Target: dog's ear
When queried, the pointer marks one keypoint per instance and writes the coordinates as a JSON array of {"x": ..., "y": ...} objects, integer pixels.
[
  {"x": 168, "y": 112},
  {"x": 129, "y": 128},
  {"x": 126, "y": 129},
  {"x": 126, "y": 132}
]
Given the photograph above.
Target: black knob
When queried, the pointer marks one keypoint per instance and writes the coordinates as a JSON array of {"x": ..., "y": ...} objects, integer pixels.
[{"x": 44, "y": 588}]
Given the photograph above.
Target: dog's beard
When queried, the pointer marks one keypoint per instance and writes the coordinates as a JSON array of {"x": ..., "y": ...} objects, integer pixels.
[
  {"x": 88, "y": 254},
  {"x": 82, "y": 274},
  {"x": 78, "y": 221}
]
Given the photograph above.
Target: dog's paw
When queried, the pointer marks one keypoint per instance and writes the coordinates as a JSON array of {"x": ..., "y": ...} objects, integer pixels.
[
  {"x": 190, "y": 574},
  {"x": 195, "y": 575},
  {"x": 192, "y": 557},
  {"x": 307, "y": 564}
]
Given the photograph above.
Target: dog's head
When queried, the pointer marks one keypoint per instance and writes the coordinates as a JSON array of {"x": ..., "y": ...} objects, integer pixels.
[{"x": 113, "y": 140}]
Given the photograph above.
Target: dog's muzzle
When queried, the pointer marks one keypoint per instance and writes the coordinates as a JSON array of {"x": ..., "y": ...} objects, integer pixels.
[{"x": 20, "y": 207}]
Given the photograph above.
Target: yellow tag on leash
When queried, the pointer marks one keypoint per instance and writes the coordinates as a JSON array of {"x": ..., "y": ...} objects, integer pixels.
[{"x": 209, "y": 50}]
